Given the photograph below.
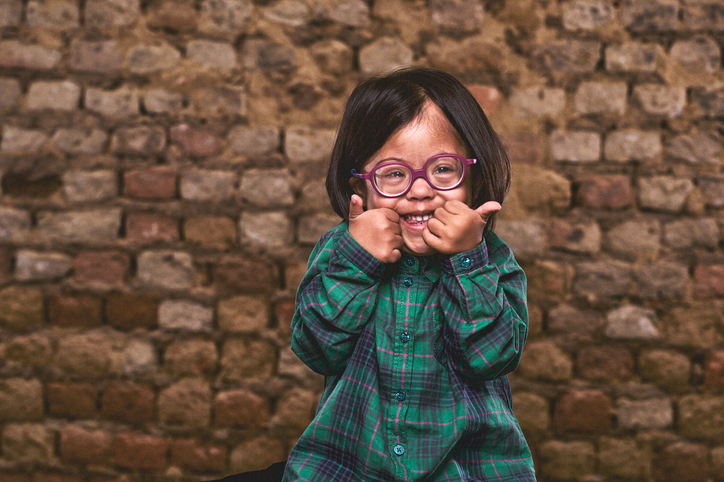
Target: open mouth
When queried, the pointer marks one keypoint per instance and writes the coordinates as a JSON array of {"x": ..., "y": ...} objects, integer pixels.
[{"x": 417, "y": 218}]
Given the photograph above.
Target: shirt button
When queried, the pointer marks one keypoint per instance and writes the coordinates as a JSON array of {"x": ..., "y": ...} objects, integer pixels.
[
  {"x": 404, "y": 337},
  {"x": 466, "y": 262},
  {"x": 410, "y": 261},
  {"x": 399, "y": 449},
  {"x": 401, "y": 395},
  {"x": 408, "y": 282}
]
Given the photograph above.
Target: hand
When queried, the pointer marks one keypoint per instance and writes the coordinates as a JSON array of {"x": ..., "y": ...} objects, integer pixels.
[
  {"x": 456, "y": 227},
  {"x": 376, "y": 230}
]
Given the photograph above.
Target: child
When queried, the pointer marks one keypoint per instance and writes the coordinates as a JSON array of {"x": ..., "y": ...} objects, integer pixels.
[{"x": 412, "y": 309}]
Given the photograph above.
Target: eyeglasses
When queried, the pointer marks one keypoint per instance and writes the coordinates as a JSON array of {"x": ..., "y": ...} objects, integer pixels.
[{"x": 442, "y": 172}]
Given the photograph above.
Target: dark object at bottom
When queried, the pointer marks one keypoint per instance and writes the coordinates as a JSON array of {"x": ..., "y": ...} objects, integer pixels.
[{"x": 273, "y": 473}]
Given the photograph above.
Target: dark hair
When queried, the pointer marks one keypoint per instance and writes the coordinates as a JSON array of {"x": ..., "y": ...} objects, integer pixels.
[{"x": 380, "y": 106}]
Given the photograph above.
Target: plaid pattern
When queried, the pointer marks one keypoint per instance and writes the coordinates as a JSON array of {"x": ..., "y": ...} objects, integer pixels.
[{"x": 414, "y": 356}]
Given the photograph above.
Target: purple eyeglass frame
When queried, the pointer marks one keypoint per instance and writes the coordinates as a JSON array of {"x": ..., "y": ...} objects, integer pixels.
[{"x": 415, "y": 173}]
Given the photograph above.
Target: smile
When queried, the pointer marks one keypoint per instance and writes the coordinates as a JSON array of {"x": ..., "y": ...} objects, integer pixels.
[{"x": 417, "y": 218}]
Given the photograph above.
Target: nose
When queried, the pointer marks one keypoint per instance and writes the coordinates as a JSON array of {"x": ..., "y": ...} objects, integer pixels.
[{"x": 420, "y": 189}]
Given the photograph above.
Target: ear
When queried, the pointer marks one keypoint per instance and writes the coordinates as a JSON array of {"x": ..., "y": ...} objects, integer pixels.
[{"x": 359, "y": 186}]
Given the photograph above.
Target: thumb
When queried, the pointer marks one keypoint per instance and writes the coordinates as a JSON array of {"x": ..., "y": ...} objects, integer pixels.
[
  {"x": 487, "y": 209},
  {"x": 355, "y": 207}
]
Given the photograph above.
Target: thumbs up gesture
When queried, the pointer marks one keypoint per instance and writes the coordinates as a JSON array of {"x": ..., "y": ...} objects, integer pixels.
[
  {"x": 376, "y": 230},
  {"x": 456, "y": 227}
]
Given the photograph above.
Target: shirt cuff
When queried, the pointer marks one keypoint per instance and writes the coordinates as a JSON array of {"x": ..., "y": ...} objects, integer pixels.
[
  {"x": 467, "y": 261},
  {"x": 348, "y": 247}
]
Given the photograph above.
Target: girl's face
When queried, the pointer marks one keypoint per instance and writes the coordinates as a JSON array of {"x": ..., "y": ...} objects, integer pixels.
[{"x": 427, "y": 135}]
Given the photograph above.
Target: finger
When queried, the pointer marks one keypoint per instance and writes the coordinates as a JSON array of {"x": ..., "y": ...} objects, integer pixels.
[
  {"x": 356, "y": 207},
  {"x": 432, "y": 240},
  {"x": 487, "y": 209},
  {"x": 391, "y": 215}
]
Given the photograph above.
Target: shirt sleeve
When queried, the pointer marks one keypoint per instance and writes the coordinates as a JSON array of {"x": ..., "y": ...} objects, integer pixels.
[
  {"x": 484, "y": 307},
  {"x": 334, "y": 302}
]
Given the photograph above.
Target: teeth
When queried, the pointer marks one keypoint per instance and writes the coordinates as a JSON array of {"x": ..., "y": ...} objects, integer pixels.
[{"x": 419, "y": 218}]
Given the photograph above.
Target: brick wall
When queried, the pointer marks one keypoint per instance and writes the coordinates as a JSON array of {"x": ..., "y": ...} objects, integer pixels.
[{"x": 161, "y": 186}]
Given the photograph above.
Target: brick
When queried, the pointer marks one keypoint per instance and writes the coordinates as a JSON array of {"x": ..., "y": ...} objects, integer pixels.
[
  {"x": 291, "y": 366},
  {"x": 660, "y": 100},
  {"x": 26, "y": 185},
  {"x": 11, "y": 477},
  {"x": 458, "y": 15},
  {"x": 84, "y": 446},
  {"x": 548, "y": 280},
  {"x": 151, "y": 59},
  {"x": 602, "y": 279},
  {"x": 456, "y": 57},
  {"x": 191, "y": 357},
  {"x": 267, "y": 55},
  {"x": 571, "y": 322},
  {"x": 14, "y": 53},
  {"x": 53, "y": 95},
  {"x": 197, "y": 142},
  {"x": 137, "y": 451},
  {"x": 122, "y": 102},
  {"x": 172, "y": 15},
  {"x": 696, "y": 148},
  {"x": 682, "y": 461},
  {"x": 578, "y": 147},
  {"x": 184, "y": 315},
  {"x": 11, "y": 12},
  {"x": 383, "y": 55},
  {"x": 113, "y": 13},
  {"x": 624, "y": 459},
  {"x": 582, "y": 15},
  {"x": 81, "y": 311},
  {"x": 605, "y": 363},
  {"x": 303, "y": 144},
  {"x": 102, "y": 269},
  {"x": 647, "y": 414},
  {"x": 17, "y": 141},
  {"x": 270, "y": 229},
  {"x": 567, "y": 57},
  {"x": 709, "y": 281},
  {"x": 128, "y": 311},
  {"x": 28, "y": 442},
  {"x": 713, "y": 190},
  {"x": 283, "y": 312},
  {"x": 631, "y": 322},
  {"x": 583, "y": 411},
  {"x": 89, "y": 353},
  {"x": 144, "y": 140},
  {"x": 699, "y": 54},
  {"x": 256, "y": 454},
  {"x": 717, "y": 462},
  {"x": 532, "y": 412},
  {"x": 241, "y": 274},
  {"x": 128, "y": 402},
  {"x": 6, "y": 264},
  {"x": 693, "y": 326},
  {"x": 240, "y": 408},
  {"x": 227, "y": 17},
  {"x": 90, "y": 186},
  {"x": 221, "y": 100},
  {"x": 635, "y": 237},
  {"x": 707, "y": 101},
  {"x": 20, "y": 399},
  {"x": 143, "y": 228},
  {"x": 664, "y": 193},
  {"x": 243, "y": 359},
  {"x": 655, "y": 16},
  {"x": 72, "y": 399},
  {"x": 314, "y": 196},
  {"x": 666, "y": 368},
  {"x": 158, "y": 182},
  {"x": 603, "y": 191},
  {"x": 243, "y": 314},
  {"x": 267, "y": 187},
  {"x": 295, "y": 409},
  {"x": 351, "y": 13},
  {"x": 332, "y": 55},
  {"x": 161, "y": 101},
  {"x": 703, "y": 15},
  {"x": 34, "y": 350},
  {"x": 212, "y": 55},
  {"x": 208, "y": 185},
  {"x": 91, "y": 227},
  {"x": 15, "y": 225},
  {"x": 714, "y": 369},
  {"x": 662, "y": 280},
  {"x": 186, "y": 403},
  {"x": 583, "y": 237},
  {"x": 37, "y": 266},
  {"x": 96, "y": 56},
  {"x": 57, "y": 15},
  {"x": 566, "y": 460},
  {"x": 196, "y": 456},
  {"x": 213, "y": 232},
  {"x": 538, "y": 102},
  {"x": 311, "y": 228},
  {"x": 601, "y": 98},
  {"x": 545, "y": 361},
  {"x": 633, "y": 57},
  {"x": 488, "y": 97},
  {"x": 632, "y": 145},
  {"x": 21, "y": 307},
  {"x": 82, "y": 142},
  {"x": 10, "y": 91},
  {"x": 254, "y": 141},
  {"x": 701, "y": 416},
  {"x": 689, "y": 233}
]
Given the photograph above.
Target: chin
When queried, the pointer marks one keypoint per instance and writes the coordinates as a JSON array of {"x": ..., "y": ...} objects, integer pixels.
[{"x": 418, "y": 249}]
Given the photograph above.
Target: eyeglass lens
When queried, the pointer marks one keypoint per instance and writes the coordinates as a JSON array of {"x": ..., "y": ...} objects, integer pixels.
[{"x": 441, "y": 173}]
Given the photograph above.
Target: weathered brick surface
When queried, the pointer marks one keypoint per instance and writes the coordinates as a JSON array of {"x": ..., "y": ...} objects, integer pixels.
[
  {"x": 128, "y": 402},
  {"x": 83, "y": 311},
  {"x": 85, "y": 446},
  {"x": 72, "y": 399},
  {"x": 240, "y": 408},
  {"x": 134, "y": 450},
  {"x": 196, "y": 456}
]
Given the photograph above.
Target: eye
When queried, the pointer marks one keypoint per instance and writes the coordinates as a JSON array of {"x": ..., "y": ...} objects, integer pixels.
[{"x": 394, "y": 173}]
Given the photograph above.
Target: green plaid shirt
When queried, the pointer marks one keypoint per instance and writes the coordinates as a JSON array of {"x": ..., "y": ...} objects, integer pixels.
[{"x": 414, "y": 356}]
